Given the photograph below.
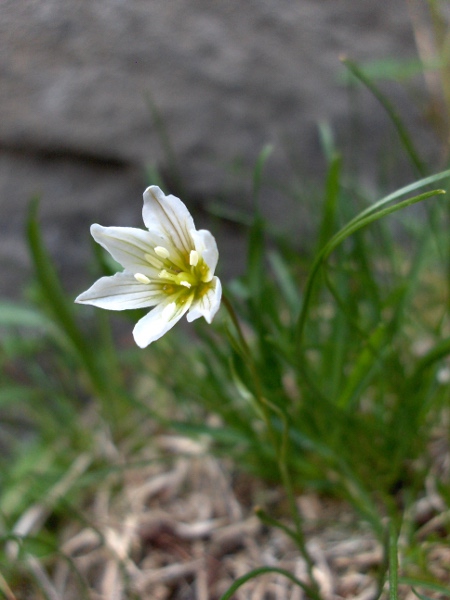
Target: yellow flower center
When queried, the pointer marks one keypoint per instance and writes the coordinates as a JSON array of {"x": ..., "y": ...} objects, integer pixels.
[{"x": 180, "y": 274}]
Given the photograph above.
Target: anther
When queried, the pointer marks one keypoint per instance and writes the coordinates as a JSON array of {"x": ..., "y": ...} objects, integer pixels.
[
  {"x": 141, "y": 278},
  {"x": 193, "y": 258},
  {"x": 162, "y": 252}
]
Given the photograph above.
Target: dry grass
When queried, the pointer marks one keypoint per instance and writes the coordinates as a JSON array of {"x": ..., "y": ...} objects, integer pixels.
[{"x": 184, "y": 529}]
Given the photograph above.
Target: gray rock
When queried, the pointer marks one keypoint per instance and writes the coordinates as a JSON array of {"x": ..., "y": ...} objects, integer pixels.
[{"x": 78, "y": 78}]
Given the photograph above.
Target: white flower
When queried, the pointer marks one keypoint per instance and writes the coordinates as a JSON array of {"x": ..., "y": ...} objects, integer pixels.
[{"x": 170, "y": 266}]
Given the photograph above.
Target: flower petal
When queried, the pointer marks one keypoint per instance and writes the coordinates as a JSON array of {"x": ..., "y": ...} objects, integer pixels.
[
  {"x": 121, "y": 292},
  {"x": 206, "y": 246},
  {"x": 158, "y": 321},
  {"x": 128, "y": 246},
  {"x": 208, "y": 304},
  {"x": 168, "y": 217}
]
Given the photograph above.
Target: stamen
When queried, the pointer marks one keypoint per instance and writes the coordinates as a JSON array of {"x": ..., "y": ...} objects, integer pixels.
[
  {"x": 193, "y": 258},
  {"x": 141, "y": 278},
  {"x": 162, "y": 252},
  {"x": 163, "y": 274},
  {"x": 184, "y": 278}
]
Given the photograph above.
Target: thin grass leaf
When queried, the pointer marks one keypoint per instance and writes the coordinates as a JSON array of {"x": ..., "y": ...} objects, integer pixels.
[
  {"x": 356, "y": 492},
  {"x": 364, "y": 366},
  {"x": 261, "y": 571},
  {"x": 272, "y": 522},
  {"x": 15, "y": 315},
  {"x": 437, "y": 353},
  {"x": 257, "y": 175},
  {"x": 430, "y": 585},
  {"x": 393, "y": 69},
  {"x": 153, "y": 177},
  {"x": 63, "y": 312},
  {"x": 327, "y": 141},
  {"x": 328, "y": 224},
  {"x": 362, "y": 220},
  {"x": 407, "y": 189},
  {"x": 166, "y": 144},
  {"x": 255, "y": 261},
  {"x": 234, "y": 215},
  {"x": 256, "y": 250},
  {"x": 54, "y": 295},
  {"x": 421, "y": 596},
  {"x": 5, "y": 589},
  {"x": 334, "y": 349},
  {"x": 286, "y": 282},
  {"x": 393, "y": 114},
  {"x": 13, "y": 394}
]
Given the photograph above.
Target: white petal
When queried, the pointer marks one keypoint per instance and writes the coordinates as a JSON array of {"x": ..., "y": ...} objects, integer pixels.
[
  {"x": 158, "y": 321},
  {"x": 208, "y": 305},
  {"x": 168, "y": 217},
  {"x": 121, "y": 292},
  {"x": 128, "y": 246},
  {"x": 205, "y": 245}
]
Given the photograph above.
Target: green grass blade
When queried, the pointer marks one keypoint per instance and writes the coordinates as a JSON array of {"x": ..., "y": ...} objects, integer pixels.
[
  {"x": 285, "y": 280},
  {"x": 262, "y": 571},
  {"x": 15, "y": 315},
  {"x": 162, "y": 133},
  {"x": 354, "y": 225},
  {"x": 394, "y": 69},
  {"x": 327, "y": 225},
  {"x": 364, "y": 366},
  {"x": 255, "y": 261},
  {"x": 430, "y": 585},
  {"x": 257, "y": 174},
  {"x": 437, "y": 353},
  {"x": 365, "y": 220},
  {"x": 393, "y": 114},
  {"x": 55, "y": 298},
  {"x": 407, "y": 189}
]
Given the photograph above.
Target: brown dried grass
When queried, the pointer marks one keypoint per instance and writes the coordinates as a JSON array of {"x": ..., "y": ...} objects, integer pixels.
[{"x": 185, "y": 529}]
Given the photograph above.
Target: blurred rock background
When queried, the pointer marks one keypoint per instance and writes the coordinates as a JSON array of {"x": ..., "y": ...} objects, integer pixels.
[{"x": 78, "y": 78}]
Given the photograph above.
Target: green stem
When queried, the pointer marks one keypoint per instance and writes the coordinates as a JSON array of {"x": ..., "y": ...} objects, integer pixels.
[{"x": 393, "y": 562}]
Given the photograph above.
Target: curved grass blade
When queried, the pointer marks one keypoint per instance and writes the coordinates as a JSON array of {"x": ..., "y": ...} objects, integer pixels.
[
  {"x": 403, "y": 134},
  {"x": 411, "y": 187},
  {"x": 368, "y": 216},
  {"x": 262, "y": 571},
  {"x": 430, "y": 585},
  {"x": 438, "y": 352}
]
